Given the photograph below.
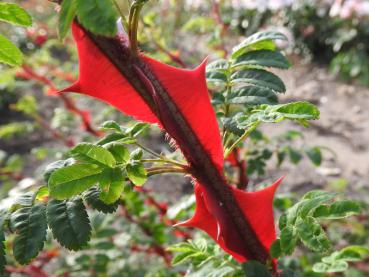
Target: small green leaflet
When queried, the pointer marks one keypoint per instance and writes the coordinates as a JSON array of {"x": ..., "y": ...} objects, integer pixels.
[
  {"x": 275, "y": 249},
  {"x": 288, "y": 239},
  {"x": 112, "y": 125},
  {"x": 299, "y": 111},
  {"x": 30, "y": 224},
  {"x": 300, "y": 222},
  {"x": 218, "y": 66},
  {"x": 196, "y": 249},
  {"x": 92, "y": 198},
  {"x": 338, "y": 260},
  {"x": 262, "y": 58},
  {"x": 314, "y": 154},
  {"x": 336, "y": 266},
  {"x": 252, "y": 95},
  {"x": 2, "y": 245},
  {"x": 92, "y": 153},
  {"x": 67, "y": 13},
  {"x": 136, "y": 173},
  {"x": 14, "y": 14},
  {"x": 119, "y": 151},
  {"x": 112, "y": 185},
  {"x": 72, "y": 180},
  {"x": 50, "y": 168},
  {"x": 260, "y": 78},
  {"x": 69, "y": 222},
  {"x": 98, "y": 16},
  {"x": 260, "y": 40},
  {"x": 338, "y": 210},
  {"x": 312, "y": 234},
  {"x": 9, "y": 53}
]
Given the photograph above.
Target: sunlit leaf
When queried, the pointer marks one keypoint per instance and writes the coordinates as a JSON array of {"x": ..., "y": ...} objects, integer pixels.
[
  {"x": 72, "y": 180},
  {"x": 260, "y": 40},
  {"x": 67, "y": 14},
  {"x": 92, "y": 153},
  {"x": 263, "y": 58},
  {"x": 9, "y": 53},
  {"x": 14, "y": 14}
]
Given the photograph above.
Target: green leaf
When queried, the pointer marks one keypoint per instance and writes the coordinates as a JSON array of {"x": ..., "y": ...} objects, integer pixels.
[
  {"x": 136, "y": 155},
  {"x": 258, "y": 41},
  {"x": 27, "y": 104},
  {"x": 263, "y": 58},
  {"x": 194, "y": 250},
  {"x": 136, "y": 129},
  {"x": 136, "y": 173},
  {"x": 119, "y": 151},
  {"x": 98, "y": 16},
  {"x": 112, "y": 125},
  {"x": 113, "y": 186},
  {"x": 312, "y": 234},
  {"x": 300, "y": 111},
  {"x": 297, "y": 110},
  {"x": 218, "y": 65},
  {"x": 14, "y": 14},
  {"x": 352, "y": 253},
  {"x": 92, "y": 153},
  {"x": 2, "y": 246},
  {"x": 337, "y": 261},
  {"x": 30, "y": 225},
  {"x": 183, "y": 257},
  {"x": 337, "y": 210},
  {"x": 252, "y": 95},
  {"x": 312, "y": 200},
  {"x": 67, "y": 14},
  {"x": 72, "y": 180},
  {"x": 9, "y": 53},
  {"x": 231, "y": 125},
  {"x": 295, "y": 156},
  {"x": 216, "y": 77},
  {"x": 337, "y": 266},
  {"x": 255, "y": 269},
  {"x": 69, "y": 222},
  {"x": 116, "y": 137},
  {"x": 314, "y": 154},
  {"x": 92, "y": 198},
  {"x": 56, "y": 165},
  {"x": 260, "y": 78},
  {"x": 275, "y": 249},
  {"x": 288, "y": 239}
]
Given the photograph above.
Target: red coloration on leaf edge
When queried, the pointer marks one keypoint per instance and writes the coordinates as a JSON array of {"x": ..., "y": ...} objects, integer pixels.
[{"x": 99, "y": 78}]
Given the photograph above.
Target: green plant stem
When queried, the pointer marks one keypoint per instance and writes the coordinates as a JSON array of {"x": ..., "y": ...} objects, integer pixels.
[
  {"x": 240, "y": 139},
  {"x": 124, "y": 20},
  {"x": 161, "y": 170},
  {"x": 161, "y": 157},
  {"x": 163, "y": 161},
  {"x": 134, "y": 15}
]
